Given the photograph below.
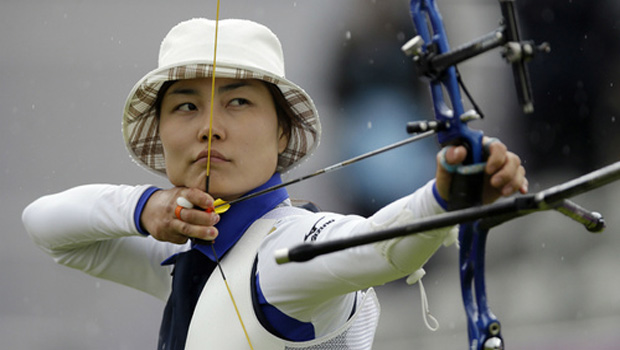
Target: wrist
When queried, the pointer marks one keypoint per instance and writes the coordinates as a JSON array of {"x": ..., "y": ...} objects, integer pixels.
[
  {"x": 440, "y": 200},
  {"x": 137, "y": 217}
]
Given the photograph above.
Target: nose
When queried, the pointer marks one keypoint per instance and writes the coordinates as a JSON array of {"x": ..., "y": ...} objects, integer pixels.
[{"x": 211, "y": 127}]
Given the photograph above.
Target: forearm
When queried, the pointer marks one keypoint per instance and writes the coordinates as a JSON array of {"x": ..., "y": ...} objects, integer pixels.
[
  {"x": 409, "y": 253},
  {"x": 92, "y": 228},
  {"x": 335, "y": 274},
  {"x": 82, "y": 215},
  {"x": 385, "y": 261}
]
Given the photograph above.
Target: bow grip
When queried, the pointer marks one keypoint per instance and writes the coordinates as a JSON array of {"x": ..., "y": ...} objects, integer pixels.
[
  {"x": 468, "y": 179},
  {"x": 466, "y": 186}
]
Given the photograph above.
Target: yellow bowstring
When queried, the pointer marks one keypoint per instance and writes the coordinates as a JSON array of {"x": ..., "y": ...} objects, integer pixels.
[
  {"x": 217, "y": 20},
  {"x": 247, "y": 336}
]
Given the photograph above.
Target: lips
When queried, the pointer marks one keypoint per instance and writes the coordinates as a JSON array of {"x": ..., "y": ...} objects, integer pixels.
[{"x": 215, "y": 156}]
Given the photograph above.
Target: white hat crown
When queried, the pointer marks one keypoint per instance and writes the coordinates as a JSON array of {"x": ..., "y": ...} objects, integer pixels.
[{"x": 240, "y": 43}]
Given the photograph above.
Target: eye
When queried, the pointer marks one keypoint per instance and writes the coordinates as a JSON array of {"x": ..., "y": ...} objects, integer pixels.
[
  {"x": 238, "y": 102},
  {"x": 187, "y": 107}
]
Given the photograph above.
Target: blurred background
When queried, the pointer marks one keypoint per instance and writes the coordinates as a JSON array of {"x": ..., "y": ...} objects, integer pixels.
[{"x": 66, "y": 67}]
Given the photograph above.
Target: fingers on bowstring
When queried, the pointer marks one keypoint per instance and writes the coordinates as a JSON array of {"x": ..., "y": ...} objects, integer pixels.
[
  {"x": 199, "y": 217},
  {"x": 190, "y": 203},
  {"x": 195, "y": 217},
  {"x": 187, "y": 230},
  {"x": 197, "y": 198},
  {"x": 193, "y": 221}
]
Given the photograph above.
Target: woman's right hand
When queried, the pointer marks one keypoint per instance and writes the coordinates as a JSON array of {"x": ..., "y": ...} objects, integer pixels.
[{"x": 159, "y": 219}]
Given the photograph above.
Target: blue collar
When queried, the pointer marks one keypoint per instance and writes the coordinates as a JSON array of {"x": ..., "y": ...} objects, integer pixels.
[
  {"x": 238, "y": 219},
  {"x": 240, "y": 216}
]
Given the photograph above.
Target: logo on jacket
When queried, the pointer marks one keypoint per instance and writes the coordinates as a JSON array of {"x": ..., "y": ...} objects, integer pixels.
[{"x": 316, "y": 229}]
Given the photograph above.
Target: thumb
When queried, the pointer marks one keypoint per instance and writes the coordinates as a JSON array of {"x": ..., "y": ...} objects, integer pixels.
[{"x": 447, "y": 160}]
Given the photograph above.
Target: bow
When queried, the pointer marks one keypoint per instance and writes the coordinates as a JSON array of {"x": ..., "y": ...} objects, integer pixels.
[{"x": 436, "y": 62}]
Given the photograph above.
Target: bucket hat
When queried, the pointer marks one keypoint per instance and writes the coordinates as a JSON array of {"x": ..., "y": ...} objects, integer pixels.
[{"x": 245, "y": 50}]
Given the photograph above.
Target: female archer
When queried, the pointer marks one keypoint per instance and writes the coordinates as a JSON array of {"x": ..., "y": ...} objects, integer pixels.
[{"x": 221, "y": 129}]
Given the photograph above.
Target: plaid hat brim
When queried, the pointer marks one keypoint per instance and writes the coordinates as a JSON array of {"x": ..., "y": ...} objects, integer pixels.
[{"x": 141, "y": 126}]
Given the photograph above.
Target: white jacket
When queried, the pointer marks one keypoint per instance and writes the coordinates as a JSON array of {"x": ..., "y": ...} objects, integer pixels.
[{"x": 91, "y": 228}]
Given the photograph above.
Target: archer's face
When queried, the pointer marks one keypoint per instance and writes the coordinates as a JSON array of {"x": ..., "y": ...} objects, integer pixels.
[{"x": 246, "y": 138}]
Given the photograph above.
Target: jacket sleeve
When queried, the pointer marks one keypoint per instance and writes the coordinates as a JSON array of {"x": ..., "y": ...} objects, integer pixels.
[
  {"x": 327, "y": 281},
  {"x": 91, "y": 228}
]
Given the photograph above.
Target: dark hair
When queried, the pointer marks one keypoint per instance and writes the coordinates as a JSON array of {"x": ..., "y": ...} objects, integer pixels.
[
  {"x": 286, "y": 118},
  {"x": 160, "y": 96}
]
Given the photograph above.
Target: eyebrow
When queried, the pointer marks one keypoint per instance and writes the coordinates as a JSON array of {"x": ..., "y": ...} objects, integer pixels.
[
  {"x": 221, "y": 89},
  {"x": 232, "y": 86},
  {"x": 183, "y": 91}
]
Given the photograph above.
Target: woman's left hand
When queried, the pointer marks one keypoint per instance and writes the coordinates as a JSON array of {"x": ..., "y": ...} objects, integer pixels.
[{"x": 504, "y": 174}]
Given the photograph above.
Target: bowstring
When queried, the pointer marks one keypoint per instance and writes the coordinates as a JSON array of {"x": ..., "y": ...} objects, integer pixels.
[
  {"x": 208, "y": 172},
  {"x": 210, "y": 134}
]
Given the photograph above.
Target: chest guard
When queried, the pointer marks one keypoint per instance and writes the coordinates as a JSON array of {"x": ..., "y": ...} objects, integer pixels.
[{"x": 215, "y": 324}]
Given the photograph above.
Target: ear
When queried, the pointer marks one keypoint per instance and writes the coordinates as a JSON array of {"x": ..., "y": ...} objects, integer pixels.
[{"x": 282, "y": 140}]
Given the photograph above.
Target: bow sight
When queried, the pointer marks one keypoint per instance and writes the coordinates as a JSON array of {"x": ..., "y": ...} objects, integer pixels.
[{"x": 432, "y": 62}]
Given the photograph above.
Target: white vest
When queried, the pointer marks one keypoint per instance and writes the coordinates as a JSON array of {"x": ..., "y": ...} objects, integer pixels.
[{"x": 215, "y": 324}]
